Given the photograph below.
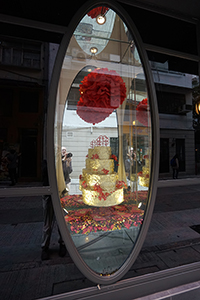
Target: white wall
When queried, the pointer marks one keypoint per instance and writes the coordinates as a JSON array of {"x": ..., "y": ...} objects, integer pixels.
[{"x": 77, "y": 135}]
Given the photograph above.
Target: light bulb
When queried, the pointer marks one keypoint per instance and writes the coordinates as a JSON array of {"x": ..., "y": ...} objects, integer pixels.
[
  {"x": 93, "y": 50},
  {"x": 100, "y": 19}
]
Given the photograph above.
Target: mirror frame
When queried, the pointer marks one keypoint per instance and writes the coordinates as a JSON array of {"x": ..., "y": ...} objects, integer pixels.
[{"x": 82, "y": 266}]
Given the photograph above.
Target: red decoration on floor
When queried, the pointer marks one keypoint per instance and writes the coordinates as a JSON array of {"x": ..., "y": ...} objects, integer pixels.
[{"x": 81, "y": 219}]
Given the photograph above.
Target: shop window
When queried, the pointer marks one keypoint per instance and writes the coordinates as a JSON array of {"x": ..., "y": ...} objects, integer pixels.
[
  {"x": 170, "y": 103},
  {"x": 20, "y": 54},
  {"x": 28, "y": 101},
  {"x": 103, "y": 173},
  {"x": 28, "y": 150},
  {"x": 6, "y": 102}
]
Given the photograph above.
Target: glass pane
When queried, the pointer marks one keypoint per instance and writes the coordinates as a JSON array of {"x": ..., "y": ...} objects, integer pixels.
[
  {"x": 103, "y": 140},
  {"x": 22, "y": 115},
  {"x": 21, "y": 135}
]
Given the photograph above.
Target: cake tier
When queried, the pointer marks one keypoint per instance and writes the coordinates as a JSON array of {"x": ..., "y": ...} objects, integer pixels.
[
  {"x": 103, "y": 152},
  {"x": 101, "y": 167},
  {"x": 106, "y": 182},
  {"x": 145, "y": 170},
  {"x": 91, "y": 198},
  {"x": 147, "y": 163},
  {"x": 143, "y": 181}
]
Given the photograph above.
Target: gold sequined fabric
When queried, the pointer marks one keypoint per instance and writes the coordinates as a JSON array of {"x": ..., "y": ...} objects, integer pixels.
[
  {"x": 99, "y": 166},
  {"x": 103, "y": 152},
  {"x": 107, "y": 182},
  {"x": 145, "y": 171},
  {"x": 92, "y": 198},
  {"x": 143, "y": 181}
]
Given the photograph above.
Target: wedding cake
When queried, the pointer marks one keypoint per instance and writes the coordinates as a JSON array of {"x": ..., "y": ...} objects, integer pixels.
[{"x": 99, "y": 183}]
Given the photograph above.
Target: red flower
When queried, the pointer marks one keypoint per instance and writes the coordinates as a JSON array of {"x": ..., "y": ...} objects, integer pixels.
[
  {"x": 141, "y": 112},
  {"x": 95, "y": 156},
  {"x": 140, "y": 173},
  {"x": 114, "y": 157},
  {"x": 97, "y": 11},
  {"x": 102, "y": 91},
  {"x": 121, "y": 184},
  {"x": 84, "y": 184},
  {"x": 97, "y": 188},
  {"x": 105, "y": 171},
  {"x": 80, "y": 177}
]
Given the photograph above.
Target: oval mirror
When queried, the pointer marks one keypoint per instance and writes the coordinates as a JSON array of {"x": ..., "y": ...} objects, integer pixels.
[{"x": 105, "y": 142}]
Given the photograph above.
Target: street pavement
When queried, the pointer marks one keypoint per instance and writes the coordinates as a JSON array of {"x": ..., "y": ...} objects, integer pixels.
[{"x": 173, "y": 239}]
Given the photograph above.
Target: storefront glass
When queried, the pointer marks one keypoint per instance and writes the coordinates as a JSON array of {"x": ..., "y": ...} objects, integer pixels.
[
  {"x": 103, "y": 140},
  {"x": 22, "y": 112}
]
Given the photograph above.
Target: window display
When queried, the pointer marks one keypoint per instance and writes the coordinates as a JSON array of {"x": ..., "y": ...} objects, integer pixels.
[{"x": 103, "y": 141}]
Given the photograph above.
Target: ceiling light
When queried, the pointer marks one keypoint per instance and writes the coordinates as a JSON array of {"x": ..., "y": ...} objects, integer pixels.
[
  {"x": 101, "y": 19},
  {"x": 93, "y": 50}
]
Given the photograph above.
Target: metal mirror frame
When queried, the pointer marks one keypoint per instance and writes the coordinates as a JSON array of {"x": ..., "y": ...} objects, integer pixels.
[{"x": 82, "y": 266}]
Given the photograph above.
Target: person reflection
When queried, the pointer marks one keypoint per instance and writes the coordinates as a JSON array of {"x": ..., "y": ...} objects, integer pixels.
[
  {"x": 49, "y": 220},
  {"x": 67, "y": 167}
]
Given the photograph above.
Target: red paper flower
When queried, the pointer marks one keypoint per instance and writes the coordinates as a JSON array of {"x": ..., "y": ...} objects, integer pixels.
[
  {"x": 84, "y": 184},
  {"x": 102, "y": 91},
  {"x": 97, "y": 11},
  {"x": 141, "y": 112},
  {"x": 95, "y": 156},
  {"x": 121, "y": 184},
  {"x": 140, "y": 173},
  {"x": 97, "y": 188},
  {"x": 114, "y": 157},
  {"x": 105, "y": 171}
]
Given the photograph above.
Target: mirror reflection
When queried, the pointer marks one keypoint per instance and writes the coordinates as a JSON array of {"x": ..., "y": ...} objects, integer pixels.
[{"x": 103, "y": 140}]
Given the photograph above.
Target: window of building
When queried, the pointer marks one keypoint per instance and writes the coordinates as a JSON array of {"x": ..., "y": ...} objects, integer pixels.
[
  {"x": 170, "y": 103},
  {"x": 20, "y": 54}
]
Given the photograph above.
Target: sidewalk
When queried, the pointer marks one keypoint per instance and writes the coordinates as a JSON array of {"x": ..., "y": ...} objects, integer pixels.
[
  {"x": 170, "y": 242},
  {"x": 179, "y": 182}
]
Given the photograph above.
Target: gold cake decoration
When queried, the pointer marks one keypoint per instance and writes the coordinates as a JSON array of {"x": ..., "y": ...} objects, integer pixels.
[
  {"x": 144, "y": 174},
  {"x": 99, "y": 183}
]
